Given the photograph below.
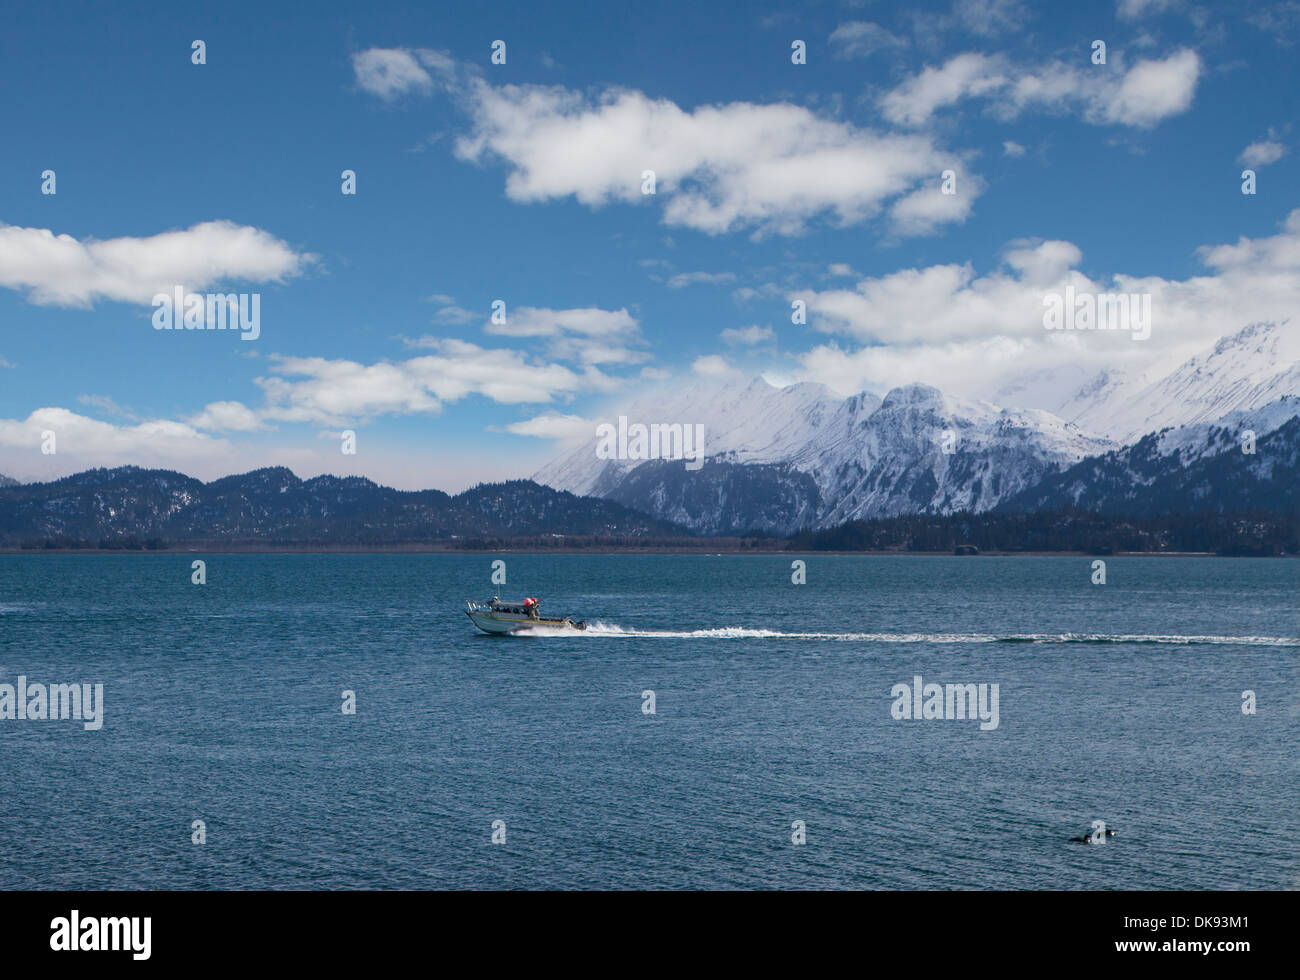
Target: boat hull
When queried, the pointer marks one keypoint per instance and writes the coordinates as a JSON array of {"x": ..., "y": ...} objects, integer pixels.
[{"x": 503, "y": 624}]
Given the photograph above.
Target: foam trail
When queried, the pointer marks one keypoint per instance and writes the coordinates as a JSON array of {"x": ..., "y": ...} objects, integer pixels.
[{"x": 603, "y": 629}]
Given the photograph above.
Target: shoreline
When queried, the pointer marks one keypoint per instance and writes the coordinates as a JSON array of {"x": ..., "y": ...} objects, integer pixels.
[{"x": 704, "y": 551}]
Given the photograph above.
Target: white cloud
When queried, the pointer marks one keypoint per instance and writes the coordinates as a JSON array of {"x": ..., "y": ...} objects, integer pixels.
[
  {"x": 1042, "y": 263},
  {"x": 1154, "y": 90},
  {"x": 1137, "y": 9},
  {"x": 1142, "y": 96},
  {"x": 840, "y": 269},
  {"x": 552, "y": 425},
  {"x": 589, "y": 335},
  {"x": 861, "y": 39},
  {"x": 922, "y": 211},
  {"x": 1263, "y": 256},
  {"x": 712, "y": 366},
  {"x": 772, "y": 168},
  {"x": 932, "y": 323},
  {"x": 1261, "y": 154},
  {"x": 748, "y": 336},
  {"x": 991, "y": 17},
  {"x": 106, "y": 404},
  {"x": 532, "y": 321},
  {"x": 332, "y": 392},
  {"x": 693, "y": 278},
  {"x": 390, "y": 73},
  {"x": 456, "y": 314},
  {"x": 160, "y": 440},
  {"x": 59, "y": 270},
  {"x": 1011, "y": 148},
  {"x": 964, "y": 76},
  {"x": 748, "y": 294},
  {"x": 227, "y": 417},
  {"x": 1280, "y": 21}
]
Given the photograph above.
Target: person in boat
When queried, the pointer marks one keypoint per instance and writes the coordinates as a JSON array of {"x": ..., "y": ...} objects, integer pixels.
[{"x": 530, "y": 607}]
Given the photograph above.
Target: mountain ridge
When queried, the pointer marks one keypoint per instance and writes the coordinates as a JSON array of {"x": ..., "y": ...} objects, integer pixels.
[
  {"x": 272, "y": 503},
  {"x": 921, "y": 450}
]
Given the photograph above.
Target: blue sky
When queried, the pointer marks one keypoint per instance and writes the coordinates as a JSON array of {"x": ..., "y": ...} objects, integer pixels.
[{"x": 521, "y": 182}]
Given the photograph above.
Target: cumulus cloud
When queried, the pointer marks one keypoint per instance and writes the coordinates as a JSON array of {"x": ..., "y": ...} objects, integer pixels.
[
  {"x": 588, "y": 335},
  {"x": 712, "y": 366},
  {"x": 769, "y": 168},
  {"x": 933, "y": 323},
  {"x": 962, "y": 77},
  {"x": 772, "y": 168},
  {"x": 59, "y": 270},
  {"x": 1142, "y": 96},
  {"x": 159, "y": 440},
  {"x": 533, "y": 321},
  {"x": 336, "y": 391},
  {"x": 922, "y": 211},
  {"x": 747, "y": 336},
  {"x": 227, "y": 417},
  {"x": 1261, "y": 154},
  {"x": 1153, "y": 90}
]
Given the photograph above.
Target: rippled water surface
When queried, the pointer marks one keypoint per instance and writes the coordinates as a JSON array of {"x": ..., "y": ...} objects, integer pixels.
[{"x": 222, "y": 702}]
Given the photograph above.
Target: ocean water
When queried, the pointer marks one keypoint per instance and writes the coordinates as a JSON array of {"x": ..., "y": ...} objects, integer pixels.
[{"x": 222, "y": 703}]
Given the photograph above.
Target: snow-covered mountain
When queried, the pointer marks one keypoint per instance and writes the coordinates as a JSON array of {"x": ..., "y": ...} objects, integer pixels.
[
  {"x": 1255, "y": 366},
  {"x": 783, "y": 458},
  {"x": 754, "y": 422},
  {"x": 922, "y": 450},
  {"x": 1204, "y": 467}
]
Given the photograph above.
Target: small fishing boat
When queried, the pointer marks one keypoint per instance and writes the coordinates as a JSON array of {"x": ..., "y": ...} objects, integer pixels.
[{"x": 500, "y": 617}]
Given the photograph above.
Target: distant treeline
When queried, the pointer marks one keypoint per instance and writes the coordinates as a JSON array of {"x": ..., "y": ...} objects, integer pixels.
[
  {"x": 128, "y": 543},
  {"x": 548, "y": 542},
  {"x": 1067, "y": 531},
  {"x": 1077, "y": 531}
]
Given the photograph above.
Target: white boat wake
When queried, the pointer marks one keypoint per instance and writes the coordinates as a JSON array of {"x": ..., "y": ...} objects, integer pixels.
[{"x": 602, "y": 629}]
